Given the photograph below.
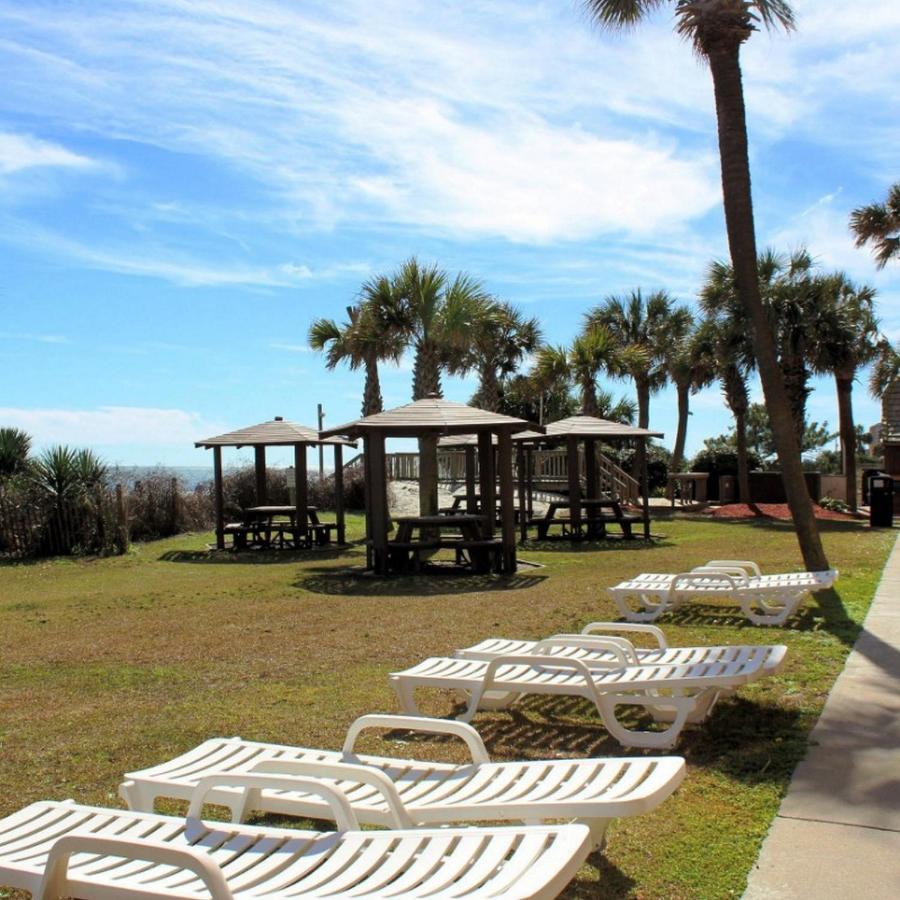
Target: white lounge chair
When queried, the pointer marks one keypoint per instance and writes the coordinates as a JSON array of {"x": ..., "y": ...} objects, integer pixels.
[
  {"x": 671, "y": 693},
  {"x": 764, "y": 599},
  {"x": 59, "y": 850},
  {"x": 403, "y": 793},
  {"x": 595, "y": 653}
]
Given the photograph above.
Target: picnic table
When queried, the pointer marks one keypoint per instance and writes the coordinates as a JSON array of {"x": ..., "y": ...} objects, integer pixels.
[
  {"x": 277, "y": 526},
  {"x": 598, "y": 513},
  {"x": 458, "y": 506},
  {"x": 467, "y": 539}
]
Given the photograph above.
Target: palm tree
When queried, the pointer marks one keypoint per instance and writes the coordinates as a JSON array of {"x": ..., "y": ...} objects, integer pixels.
[
  {"x": 690, "y": 366},
  {"x": 361, "y": 341},
  {"x": 436, "y": 316},
  {"x": 724, "y": 341},
  {"x": 879, "y": 223},
  {"x": 646, "y": 330},
  {"x": 499, "y": 343},
  {"x": 847, "y": 335},
  {"x": 593, "y": 351},
  {"x": 718, "y": 29},
  {"x": 886, "y": 369}
]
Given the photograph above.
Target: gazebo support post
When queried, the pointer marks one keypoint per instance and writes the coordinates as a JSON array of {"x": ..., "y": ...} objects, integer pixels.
[
  {"x": 339, "y": 493},
  {"x": 529, "y": 479},
  {"x": 259, "y": 457},
  {"x": 471, "y": 502},
  {"x": 367, "y": 499},
  {"x": 378, "y": 501},
  {"x": 523, "y": 514},
  {"x": 507, "y": 501},
  {"x": 574, "y": 487},
  {"x": 645, "y": 487},
  {"x": 301, "y": 493},
  {"x": 590, "y": 482},
  {"x": 219, "y": 498},
  {"x": 487, "y": 483}
]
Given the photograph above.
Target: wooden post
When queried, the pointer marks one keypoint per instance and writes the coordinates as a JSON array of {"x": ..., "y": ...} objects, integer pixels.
[
  {"x": 259, "y": 453},
  {"x": 471, "y": 502},
  {"x": 176, "y": 505},
  {"x": 301, "y": 494},
  {"x": 574, "y": 487},
  {"x": 219, "y": 498},
  {"x": 590, "y": 477},
  {"x": 645, "y": 488},
  {"x": 339, "y": 493},
  {"x": 523, "y": 513},
  {"x": 367, "y": 500},
  {"x": 507, "y": 501},
  {"x": 486, "y": 482},
  {"x": 122, "y": 519},
  {"x": 378, "y": 501},
  {"x": 529, "y": 479}
]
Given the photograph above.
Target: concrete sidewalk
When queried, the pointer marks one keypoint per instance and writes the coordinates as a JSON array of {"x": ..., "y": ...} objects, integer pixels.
[{"x": 837, "y": 833}]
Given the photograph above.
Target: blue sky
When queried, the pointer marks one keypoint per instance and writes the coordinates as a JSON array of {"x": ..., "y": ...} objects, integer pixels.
[{"x": 186, "y": 184}]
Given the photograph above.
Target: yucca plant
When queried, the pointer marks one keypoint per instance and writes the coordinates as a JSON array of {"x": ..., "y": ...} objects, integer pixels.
[{"x": 15, "y": 445}]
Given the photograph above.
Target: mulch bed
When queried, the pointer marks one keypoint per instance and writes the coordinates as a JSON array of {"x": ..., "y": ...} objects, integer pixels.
[{"x": 769, "y": 511}]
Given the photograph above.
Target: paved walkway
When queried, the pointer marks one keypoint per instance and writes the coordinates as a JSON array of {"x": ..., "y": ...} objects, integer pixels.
[{"x": 837, "y": 833}]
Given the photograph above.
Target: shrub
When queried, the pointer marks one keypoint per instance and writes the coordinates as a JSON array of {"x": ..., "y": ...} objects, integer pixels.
[{"x": 834, "y": 504}]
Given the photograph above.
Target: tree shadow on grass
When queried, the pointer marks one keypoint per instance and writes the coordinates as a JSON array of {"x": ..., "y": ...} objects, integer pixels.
[{"x": 356, "y": 583}]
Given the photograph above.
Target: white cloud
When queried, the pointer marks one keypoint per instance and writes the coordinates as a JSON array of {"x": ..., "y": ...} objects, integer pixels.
[
  {"x": 111, "y": 425},
  {"x": 22, "y": 151},
  {"x": 39, "y": 338}
]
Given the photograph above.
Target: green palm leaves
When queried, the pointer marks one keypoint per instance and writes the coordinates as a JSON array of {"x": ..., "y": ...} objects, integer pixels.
[{"x": 878, "y": 224}]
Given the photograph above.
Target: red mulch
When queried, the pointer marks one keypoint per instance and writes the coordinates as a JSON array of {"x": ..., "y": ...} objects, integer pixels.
[{"x": 768, "y": 511}]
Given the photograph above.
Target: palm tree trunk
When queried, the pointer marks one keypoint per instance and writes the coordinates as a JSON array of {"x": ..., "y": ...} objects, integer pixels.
[
  {"x": 426, "y": 383},
  {"x": 643, "y": 399},
  {"x": 743, "y": 466},
  {"x": 844, "y": 384},
  {"x": 683, "y": 391},
  {"x": 796, "y": 378},
  {"x": 724, "y": 61},
  {"x": 589, "y": 405},
  {"x": 489, "y": 389},
  {"x": 372, "y": 401}
]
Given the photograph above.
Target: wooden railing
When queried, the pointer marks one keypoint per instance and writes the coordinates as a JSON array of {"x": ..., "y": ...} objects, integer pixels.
[{"x": 550, "y": 468}]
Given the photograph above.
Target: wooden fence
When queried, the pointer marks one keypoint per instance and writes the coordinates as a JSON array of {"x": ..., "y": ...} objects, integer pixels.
[{"x": 33, "y": 526}]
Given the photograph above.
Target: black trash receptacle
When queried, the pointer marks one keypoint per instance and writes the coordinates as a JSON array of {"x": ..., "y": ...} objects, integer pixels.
[{"x": 881, "y": 501}]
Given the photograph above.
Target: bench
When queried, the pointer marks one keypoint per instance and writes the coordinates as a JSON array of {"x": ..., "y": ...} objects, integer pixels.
[
  {"x": 596, "y": 525},
  {"x": 402, "y": 553},
  {"x": 544, "y": 524},
  {"x": 484, "y": 555}
]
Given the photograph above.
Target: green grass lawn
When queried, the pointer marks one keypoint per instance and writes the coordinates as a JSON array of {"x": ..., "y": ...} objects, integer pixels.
[{"x": 113, "y": 664}]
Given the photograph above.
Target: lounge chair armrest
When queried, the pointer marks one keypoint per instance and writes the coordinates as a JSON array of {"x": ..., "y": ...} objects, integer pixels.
[
  {"x": 622, "y": 650},
  {"x": 55, "y": 881},
  {"x": 633, "y": 627},
  {"x": 461, "y": 730},
  {"x": 342, "y": 771},
  {"x": 344, "y": 817},
  {"x": 747, "y": 566}
]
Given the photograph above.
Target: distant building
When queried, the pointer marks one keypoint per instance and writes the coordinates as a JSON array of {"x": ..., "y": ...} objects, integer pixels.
[{"x": 890, "y": 428}]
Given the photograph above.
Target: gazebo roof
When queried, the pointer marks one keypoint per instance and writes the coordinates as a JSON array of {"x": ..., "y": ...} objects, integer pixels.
[
  {"x": 274, "y": 433},
  {"x": 471, "y": 440},
  {"x": 431, "y": 415},
  {"x": 593, "y": 427}
]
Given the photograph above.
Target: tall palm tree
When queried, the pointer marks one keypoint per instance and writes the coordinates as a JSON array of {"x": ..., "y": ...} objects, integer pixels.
[
  {"x": 436, "y": 316},
  {"x": 500, "y": 342},
  {"x": 847, "y": 336},
  {"x": 718, "y": 29},
  {"x": 646, "y": 330},
  {"x": 724, "y": 341},
  {"x": 593, "y": 351},
  {"x": 361, "y": 341},
  {"x": 690, "y": 366},
  {"x": 879, "y": 224}
]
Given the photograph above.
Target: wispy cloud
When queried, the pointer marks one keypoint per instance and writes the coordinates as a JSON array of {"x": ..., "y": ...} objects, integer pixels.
[
  {"x": 39, "y": 338},
  {"x": 22, "y": 151}
]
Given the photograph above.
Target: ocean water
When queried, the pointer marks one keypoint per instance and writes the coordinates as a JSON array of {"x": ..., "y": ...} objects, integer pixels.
[{"x": 189, "y": 476}]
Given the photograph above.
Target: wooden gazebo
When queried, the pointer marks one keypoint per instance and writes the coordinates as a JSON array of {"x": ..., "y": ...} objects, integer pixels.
[
  {"x": 588, "y": 431},
  {"x": 436, "y": 418},
  {"x": 277, "y": 433}
]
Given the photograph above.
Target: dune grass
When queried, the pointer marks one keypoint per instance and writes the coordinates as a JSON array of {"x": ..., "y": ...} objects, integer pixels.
[{"x": 113, "y": 664}]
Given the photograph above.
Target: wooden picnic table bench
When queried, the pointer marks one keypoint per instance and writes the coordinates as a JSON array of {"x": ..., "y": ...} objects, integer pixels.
[
  {"x": 593, "y": 522},
  {"x": 468, "y": 538}
]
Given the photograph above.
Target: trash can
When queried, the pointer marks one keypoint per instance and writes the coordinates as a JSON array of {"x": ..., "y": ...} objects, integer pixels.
[
  {"x": 881, "y": 501},
  {"x": 727, "y": 488}
]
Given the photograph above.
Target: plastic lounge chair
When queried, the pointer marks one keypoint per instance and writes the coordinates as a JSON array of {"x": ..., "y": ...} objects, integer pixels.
[
  {"x": 671, "y": 693},
  {"x": 764, "y": 599},
  {"x": 402, "y": 793},
  {"x": 59, "y": 850},
  {"x": 594, "y": 653}
]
